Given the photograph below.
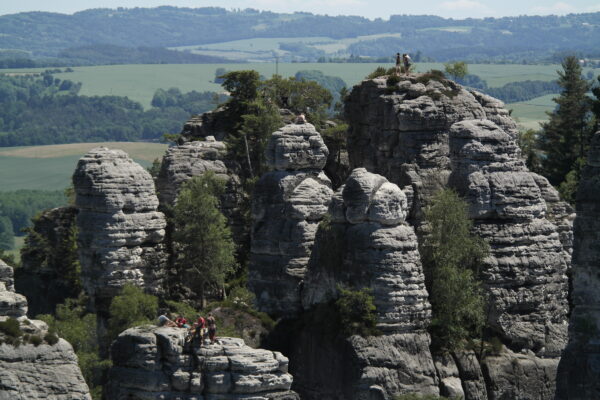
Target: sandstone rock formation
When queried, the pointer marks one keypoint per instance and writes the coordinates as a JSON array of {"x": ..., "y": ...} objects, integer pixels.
[
  {"x": 120, "y": 229},
  {"x": 29, "y": 371},
  {"x": 367, "y": 243},
  {"x": 287, "y": 207},
  {"x": 427, "y": 133},
  {"x": 156, "y": 363},
  {"x": 195, "y": 158},
  {"x": 579, "y": 370},
  {"x": 201, "y": 126},
  {"x": 43, "y": 276}
]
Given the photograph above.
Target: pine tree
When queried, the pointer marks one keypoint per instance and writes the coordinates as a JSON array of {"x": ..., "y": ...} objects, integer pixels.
[
  {"x": 205, "y": 249},
  {"x": 565, "y": 137}
]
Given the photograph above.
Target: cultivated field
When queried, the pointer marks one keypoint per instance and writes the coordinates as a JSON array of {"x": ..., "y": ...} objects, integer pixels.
[
  {"x": 139, "y": 82},
  {"x": 51, "y": 167},
  {"x": 530, "y": 113}
]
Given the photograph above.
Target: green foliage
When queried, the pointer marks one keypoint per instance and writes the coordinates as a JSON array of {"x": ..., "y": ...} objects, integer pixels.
[
  {"x": 357, "y": 313},
  {"x": 392, "y": 81},
  {"x": 451, "y": 258},
  {"x": 183, "y": 309},
  {"x": 11, "y": 328},
  {"x": 22, "y": 205},
  {"x": 191, "y": 102},
  {"x": 131, "y": 308},
  {"x": 35, "y": 340},
  {"x": 565, "y": 138},
  {"x": 527, "y": 143},
  {"x": 432, "y": 75},
  {"x": 7, "y": 239},
  {"x": 457, "y": 70},
  {"x": 154, "y": 169},
  {"x": 206, "y": 249},
  {"x": 379, "y": 71},
  {"x": 51, "y": 338}
]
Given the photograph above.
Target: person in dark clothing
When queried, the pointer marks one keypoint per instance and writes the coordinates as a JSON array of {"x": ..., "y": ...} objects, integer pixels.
[{"x": 398, "y": 64}]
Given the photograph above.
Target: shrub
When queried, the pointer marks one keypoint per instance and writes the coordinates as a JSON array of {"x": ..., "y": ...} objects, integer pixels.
[
  {"x": 379, "y": 71},
  {"x": 35, "y": 340},
  {"x": 392, "y": 81},
  {"x": 432, "y": 75},
  {"x": 51, "y": 338},
  {"x": 131, "y": 308},
  {"x": 357, "y": 313},
  {"x": 11, "y": 328}
]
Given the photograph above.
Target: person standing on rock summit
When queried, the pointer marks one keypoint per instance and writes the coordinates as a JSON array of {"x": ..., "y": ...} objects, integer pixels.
[
  {"x": 212, "y": 327},
  {"x": 407, "y": 64},
  {"x": 398, "y": 64}
]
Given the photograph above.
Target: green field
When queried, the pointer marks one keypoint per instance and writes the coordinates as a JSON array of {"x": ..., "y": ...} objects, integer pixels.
[
  {"x": 530, "y": 113},
  {"x": 51, "y": 167},
  {"x": 139, "y": 82}
]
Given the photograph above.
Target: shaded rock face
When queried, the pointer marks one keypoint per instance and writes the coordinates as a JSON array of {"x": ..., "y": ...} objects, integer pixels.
[
  {"x": 29, "y": 372},
  {"x": 195, "y": 158},
  {"x": 155, "y": 363},
  {"x": 40, "y": 277},
  {"x": 287, "y": 207},
  {"x": 425, "y": 136},
  {"x": 526, "y": 271},
  {"x": 579, "y": 370},
  {"x": 120, "y": 229},
  {"x": 367, "y": 243},
  {"x": 212, "y": 123}
]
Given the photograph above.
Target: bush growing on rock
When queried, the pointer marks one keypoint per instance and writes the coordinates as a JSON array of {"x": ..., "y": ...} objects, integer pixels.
[
  {"x": 451, "y": 258},
  {"x": 131, "y": 308},
  {"x": 357, "y": 313},
  {"x": 11, "y": 328}
]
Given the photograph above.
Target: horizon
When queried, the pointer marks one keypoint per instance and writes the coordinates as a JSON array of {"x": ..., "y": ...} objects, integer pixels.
[{"x": 454, "y": 9}]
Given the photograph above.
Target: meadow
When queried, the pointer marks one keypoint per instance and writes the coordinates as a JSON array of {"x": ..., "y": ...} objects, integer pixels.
[
  {"x": 139, "y": 82},
  {"x": 51, "y": 167}
]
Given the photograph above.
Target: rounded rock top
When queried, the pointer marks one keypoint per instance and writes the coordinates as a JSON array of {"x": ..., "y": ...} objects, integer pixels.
[{"x": 296, "y": 147}]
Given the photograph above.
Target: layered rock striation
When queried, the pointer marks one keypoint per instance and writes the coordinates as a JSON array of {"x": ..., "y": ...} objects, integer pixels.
[
  {"x": 195, "y": 158},
  {"x": 579, "y": 370},
  {"x": 288, "y": 204},
  {"x": 366, "y": 243},
  {"x": 31, "y": 370},
  {"x": 427, "y": 133},
  {"x": 120, "y": 230},
  {"x": 156, "y": 363}
]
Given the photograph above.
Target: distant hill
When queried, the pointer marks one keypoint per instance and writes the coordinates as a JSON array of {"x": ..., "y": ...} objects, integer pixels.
[{"x": 511, "y": 39}]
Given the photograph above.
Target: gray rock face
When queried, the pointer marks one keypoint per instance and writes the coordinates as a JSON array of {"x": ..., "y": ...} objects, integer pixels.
[
  {"x": 526, "y": 270},
  {"x": 579, "y": 369},
  {"x": 11, "y": 304},
  {"x": 210, "y": 123},
  {"x": 425, "y": 136},
  {"x": 155, "y": 363},
  {"x": 195, "y": 158},
  {"x": 287, "y": 207},
  {"x": 29, "y": 372},
  {"x": 120, "y": 229},
  {"x": 367, "y": 243}
]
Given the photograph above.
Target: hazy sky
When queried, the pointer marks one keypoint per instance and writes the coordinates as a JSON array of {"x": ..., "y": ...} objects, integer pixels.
[{"x": 367, "y": 8}]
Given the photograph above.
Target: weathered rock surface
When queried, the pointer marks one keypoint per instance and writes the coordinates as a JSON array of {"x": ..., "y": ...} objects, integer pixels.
[
  {"x": 42, "y": 274},
  {"x": 201, "y": 126},
  {"x": 29, "y": 372},
  {"x": 428, "y": 135},
  {"x": 155, "y": 363},
  {"x": 287, "y": 207},
  {"x": 195, "y": 158},
  {"x": 120, "y": 230},
  {"x": 526, "y": 270},
  {"x": 367, "y": 243},
  {"x": 579, "y": 369}
]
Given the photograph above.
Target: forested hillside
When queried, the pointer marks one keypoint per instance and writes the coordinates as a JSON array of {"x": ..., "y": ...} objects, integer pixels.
[{"x": 523, "y": 39}]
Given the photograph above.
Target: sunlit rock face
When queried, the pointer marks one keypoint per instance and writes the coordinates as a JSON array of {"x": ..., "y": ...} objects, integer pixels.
[
  {"x": 120, "y": 230},
  {"x": 288, "y": 204}
]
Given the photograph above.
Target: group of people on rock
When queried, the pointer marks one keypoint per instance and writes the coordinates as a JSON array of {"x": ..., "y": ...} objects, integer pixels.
[
  {"x": 202, "y": 329},
  {"x": 404, "y": 60}
]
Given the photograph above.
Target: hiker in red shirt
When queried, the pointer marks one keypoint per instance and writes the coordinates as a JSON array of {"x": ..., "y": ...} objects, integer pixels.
[{"x": 181, "y": 322}]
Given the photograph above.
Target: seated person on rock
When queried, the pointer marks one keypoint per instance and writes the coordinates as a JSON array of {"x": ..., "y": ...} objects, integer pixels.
[
  {"x": 163, "y": 320},
  {"x": 181, "y": 322}
]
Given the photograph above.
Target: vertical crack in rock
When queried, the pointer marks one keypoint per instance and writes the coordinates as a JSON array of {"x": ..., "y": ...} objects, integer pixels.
[
  {"x": 120, "y": 230},
  {"x": 30, "y": 372},
  {"x": 288, "y": 204},
  {"x": 367, "y": 243},
  {"x": 579, "y": 369}
]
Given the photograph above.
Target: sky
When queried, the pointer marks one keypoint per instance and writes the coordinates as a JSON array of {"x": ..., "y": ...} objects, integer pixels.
[{"x": 365, "y": 8}]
